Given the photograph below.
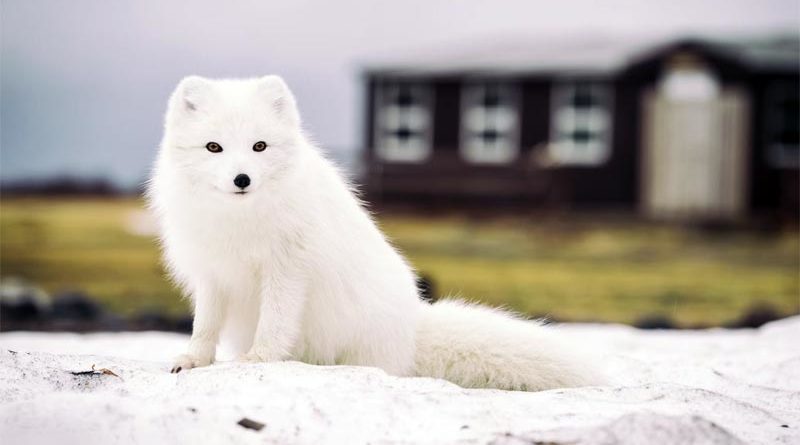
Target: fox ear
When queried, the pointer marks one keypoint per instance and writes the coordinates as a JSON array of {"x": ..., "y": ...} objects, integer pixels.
[
  {"x": 190, "y": 94},
  {"x": 280, "y": 98}
]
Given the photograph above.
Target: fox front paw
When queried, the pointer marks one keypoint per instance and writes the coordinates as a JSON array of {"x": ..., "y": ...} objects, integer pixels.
[{"x": 186, "y": 361}]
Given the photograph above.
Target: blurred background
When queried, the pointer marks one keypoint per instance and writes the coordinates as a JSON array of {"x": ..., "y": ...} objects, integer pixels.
[{"x": 618, "y": 161}]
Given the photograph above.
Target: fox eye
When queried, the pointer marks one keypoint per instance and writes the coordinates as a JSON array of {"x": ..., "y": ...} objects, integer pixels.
[
  {"x": 260, "y": 146},
  {"x": 213, "y": 147}
]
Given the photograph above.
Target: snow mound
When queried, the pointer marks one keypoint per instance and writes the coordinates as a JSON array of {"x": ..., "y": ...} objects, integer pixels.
[{"x": 672, "y": 387}]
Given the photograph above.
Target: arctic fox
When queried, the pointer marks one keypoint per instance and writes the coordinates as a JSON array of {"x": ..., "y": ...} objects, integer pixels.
[{"x": 281, "y": 260}]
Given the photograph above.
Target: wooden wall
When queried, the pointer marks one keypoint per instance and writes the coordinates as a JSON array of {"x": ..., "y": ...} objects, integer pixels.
[
  {"x": 620, "y": 183},
  {"x": 446, "y": 178}
]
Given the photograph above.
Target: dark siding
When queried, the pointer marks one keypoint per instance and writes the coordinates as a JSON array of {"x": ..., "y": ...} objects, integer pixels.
[
  {"x": 369, "y": 119},
  {"x": 773, "y": 190},
  {"x": 447, "y": 178},
  {"x": 648, "y": 70},
  {"x": 535, "y": 110},
  {"x": 447, "y": 102},
  {"x": 628, "y": 130}
]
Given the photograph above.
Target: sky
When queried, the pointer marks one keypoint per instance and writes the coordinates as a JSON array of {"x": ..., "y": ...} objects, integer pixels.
[{"x": 84, "y": 84}]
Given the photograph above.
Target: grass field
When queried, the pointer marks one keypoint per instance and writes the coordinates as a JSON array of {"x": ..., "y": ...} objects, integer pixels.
[{"x": 566, "y": 269}]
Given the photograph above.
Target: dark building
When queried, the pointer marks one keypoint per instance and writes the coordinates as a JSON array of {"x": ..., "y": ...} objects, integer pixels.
[{"x": 692, "y": 130}]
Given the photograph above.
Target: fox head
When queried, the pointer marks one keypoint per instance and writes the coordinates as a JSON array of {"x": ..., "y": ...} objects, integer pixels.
[{"x": 231, "y": 137}]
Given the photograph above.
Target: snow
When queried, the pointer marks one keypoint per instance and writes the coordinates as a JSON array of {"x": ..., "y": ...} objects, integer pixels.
[{"x": 713, "y": 386}]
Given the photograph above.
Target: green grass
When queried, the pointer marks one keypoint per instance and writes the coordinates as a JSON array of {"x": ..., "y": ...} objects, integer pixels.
[
  {"x": 567, "y": 269},
  {"x": 84, "y": 245},
  {"x": 605, "y": 271}
]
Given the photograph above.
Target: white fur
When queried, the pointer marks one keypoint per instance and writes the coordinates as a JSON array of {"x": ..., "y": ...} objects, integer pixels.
[{"x": 296, "y": 268}]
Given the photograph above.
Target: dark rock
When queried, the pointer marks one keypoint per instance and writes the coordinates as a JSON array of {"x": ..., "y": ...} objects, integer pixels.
[
  {"x": 21, "y": 302},
  {"x": 156, "y": 321},
  {"x": 757, "y": 316},
  {"x": 184, "y": 324},
  {"x": 76, "y": 306},
  {"x": 655, "y": 322},
  {"x": 24, "y": 310},
  {"x": 152, "y": 321},
  {"x": 250, "y": 424}
]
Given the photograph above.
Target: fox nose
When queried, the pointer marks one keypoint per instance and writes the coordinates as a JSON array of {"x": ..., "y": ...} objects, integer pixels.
[{"x": 241, "y": 180}]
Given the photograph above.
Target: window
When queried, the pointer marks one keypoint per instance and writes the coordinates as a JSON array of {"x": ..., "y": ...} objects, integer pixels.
[
  {"x": 403, "y": 122},
  {"x": 489, "y": 123},
  {"x": 782, "y": 124},
  {"x": 581, "y": 123}
]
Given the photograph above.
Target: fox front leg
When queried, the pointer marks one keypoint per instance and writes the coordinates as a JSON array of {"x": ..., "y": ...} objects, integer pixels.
[
  {"x": 280, "y": 318},
  {"x": 208, "y": 318}
]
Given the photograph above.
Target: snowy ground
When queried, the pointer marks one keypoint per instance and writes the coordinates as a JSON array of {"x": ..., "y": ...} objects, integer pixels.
[{"x": 679, "y": 387}]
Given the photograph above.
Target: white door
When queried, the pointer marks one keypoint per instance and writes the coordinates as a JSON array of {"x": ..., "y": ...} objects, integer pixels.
[{"x": 693, "y": 164}]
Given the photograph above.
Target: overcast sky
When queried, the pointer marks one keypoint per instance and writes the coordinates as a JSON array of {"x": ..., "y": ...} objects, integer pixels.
[{"x": 84, "y": 83}]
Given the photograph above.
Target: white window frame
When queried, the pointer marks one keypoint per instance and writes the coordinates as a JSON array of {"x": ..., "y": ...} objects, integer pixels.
[
  {"x": 476, "y": 119},
  {"x": 390, "y": 117},
  {"x": 566, "y": 119},
  {"x": 778, "y": 155}
]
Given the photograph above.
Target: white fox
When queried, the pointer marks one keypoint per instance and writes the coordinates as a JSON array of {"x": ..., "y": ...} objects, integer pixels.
[{"x": 282, "y": 261}]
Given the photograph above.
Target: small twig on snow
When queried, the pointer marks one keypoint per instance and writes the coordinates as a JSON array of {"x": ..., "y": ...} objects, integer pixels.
[{"x": 93, "y": 371}]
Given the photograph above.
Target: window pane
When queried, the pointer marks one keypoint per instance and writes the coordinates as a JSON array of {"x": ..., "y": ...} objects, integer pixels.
[
  {"x": 581, "y": 123},
  {"x": 582, "y": 97},
  {"x": 403, "y": 121},
  {"x": 404, "y": 97},
  {"x": 489, "y": 122},
  {"x": 580, "y": 136}
]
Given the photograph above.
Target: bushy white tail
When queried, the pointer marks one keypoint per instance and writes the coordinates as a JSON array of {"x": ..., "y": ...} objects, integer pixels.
[{"x": 478, "y": 347}]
